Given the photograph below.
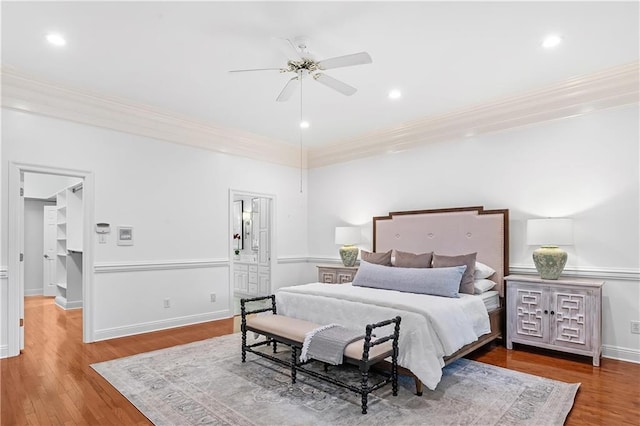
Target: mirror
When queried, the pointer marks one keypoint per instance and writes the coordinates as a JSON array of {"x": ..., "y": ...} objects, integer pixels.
[
  {"x": 238, "y": 240},
  {"x": 255, "y": 224}
]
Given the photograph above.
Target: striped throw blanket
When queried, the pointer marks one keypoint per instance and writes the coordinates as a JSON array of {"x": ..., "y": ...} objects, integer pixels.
[{"x": 327, "y": 343}]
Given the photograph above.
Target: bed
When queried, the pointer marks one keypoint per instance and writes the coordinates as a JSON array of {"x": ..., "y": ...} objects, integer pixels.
[{"x": 435, "y": 330}]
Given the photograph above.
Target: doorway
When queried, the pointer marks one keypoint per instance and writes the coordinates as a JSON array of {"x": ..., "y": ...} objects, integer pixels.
[
  {"x": 79, "y": 264},
  {"x": 252, "y": 245}
]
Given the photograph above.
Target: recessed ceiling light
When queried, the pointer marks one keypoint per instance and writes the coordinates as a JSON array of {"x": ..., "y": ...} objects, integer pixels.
[
  {"x": 395, "y": 94},
  {"x": 551, "y": 41},
  {"x": 56, "y": 39},
  {"x": 304, "y": 124}
]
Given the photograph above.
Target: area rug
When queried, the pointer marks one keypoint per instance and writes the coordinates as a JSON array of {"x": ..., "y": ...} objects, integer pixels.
[{"x": 205, "y": 383}]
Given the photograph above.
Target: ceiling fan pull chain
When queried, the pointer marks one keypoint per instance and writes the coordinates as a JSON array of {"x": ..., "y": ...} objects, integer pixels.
[{"x": 300, "y": 128}]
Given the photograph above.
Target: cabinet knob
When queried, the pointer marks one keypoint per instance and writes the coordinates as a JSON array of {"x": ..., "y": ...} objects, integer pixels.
[
  {"x": 546, "y": 312},
  {"x": 553, "y": 313}
]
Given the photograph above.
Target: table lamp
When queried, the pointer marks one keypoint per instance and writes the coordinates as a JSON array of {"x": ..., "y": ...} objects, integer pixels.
[
  {"x": 549, "y": 234},
  {"x": 348, "y": 236}
]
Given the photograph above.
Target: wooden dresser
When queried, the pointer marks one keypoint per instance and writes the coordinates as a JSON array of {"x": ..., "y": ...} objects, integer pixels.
[
  {"x": 563, "y": 315},
  {"x": 336, "y": 274}
]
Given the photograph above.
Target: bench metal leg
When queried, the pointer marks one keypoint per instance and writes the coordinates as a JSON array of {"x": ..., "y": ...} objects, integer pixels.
[
  {"x": 294, "y": 352},
  {"x": 364, "y": 371},
  {"x": 244, "y": 344}
]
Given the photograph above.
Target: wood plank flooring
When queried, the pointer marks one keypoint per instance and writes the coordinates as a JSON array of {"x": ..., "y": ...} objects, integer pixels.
[{"x": 52, "y": 382}]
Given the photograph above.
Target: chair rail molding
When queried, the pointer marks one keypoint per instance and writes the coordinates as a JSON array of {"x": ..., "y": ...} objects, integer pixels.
[
  {"x": 603, "y": 273},
  {"x": 158, "y": 265}
]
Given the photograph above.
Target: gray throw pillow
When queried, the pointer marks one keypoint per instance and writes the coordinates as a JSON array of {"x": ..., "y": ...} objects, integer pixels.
[
  {"x": 469, "y": 260},
  {"x": 377, "y": 258},
  {"x": 411, "y": 260},
  {"x": 437, "y": 282}
]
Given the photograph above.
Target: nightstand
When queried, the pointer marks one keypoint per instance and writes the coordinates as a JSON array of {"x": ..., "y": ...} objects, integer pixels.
[
  {"x": 563, "y": 314},
  {"x": 336, "y": 274}
]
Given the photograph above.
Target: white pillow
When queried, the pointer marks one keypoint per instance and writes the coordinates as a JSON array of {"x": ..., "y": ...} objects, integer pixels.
[
  {"x": 483, "y": 271},
  {"x": 481, "y": 286}
]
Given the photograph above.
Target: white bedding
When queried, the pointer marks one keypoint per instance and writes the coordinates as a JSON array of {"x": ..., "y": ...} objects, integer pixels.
[
  {"x": 491, "y": 299},
  {"x": 432, "y": 327}
]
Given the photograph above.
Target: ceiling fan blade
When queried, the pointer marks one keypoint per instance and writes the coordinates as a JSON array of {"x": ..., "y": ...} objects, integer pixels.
[
  {"x": 345, "y": 61},
  {"x": 288, "y": 90},
  {"x": 258, "y": 69},
  {"x": 338, "y": 85},
  {"x": 287, "y": 47}
]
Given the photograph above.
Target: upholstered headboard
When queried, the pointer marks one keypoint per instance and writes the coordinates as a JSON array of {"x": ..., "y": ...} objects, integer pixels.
[{"x": 452, "y": 231}]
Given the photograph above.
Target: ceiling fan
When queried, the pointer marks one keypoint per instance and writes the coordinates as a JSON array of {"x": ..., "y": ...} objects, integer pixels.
[{"x": 302, "y": 63}]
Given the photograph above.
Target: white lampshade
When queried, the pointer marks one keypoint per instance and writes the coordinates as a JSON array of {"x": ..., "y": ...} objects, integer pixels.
[
  {"x": 347, "y": 235},
  {"x": 551, "y": 231}
]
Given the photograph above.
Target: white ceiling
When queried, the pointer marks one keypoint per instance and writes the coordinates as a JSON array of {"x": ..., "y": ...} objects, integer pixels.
[{"x": 443, "y": 56}]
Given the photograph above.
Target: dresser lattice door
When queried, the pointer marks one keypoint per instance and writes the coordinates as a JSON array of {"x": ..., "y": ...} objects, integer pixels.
[
  {"x": 531, "y": 321},
  {"x": 570, "y": 320}
]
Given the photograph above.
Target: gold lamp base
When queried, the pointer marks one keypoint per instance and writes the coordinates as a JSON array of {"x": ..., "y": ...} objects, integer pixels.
[
  {"x": 349, "y": 254},
  {"x": 550, "y": 261}
]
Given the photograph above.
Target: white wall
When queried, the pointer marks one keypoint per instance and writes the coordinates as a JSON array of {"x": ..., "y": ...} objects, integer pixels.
[
  {"x": 583, "y": 167},
  {"x": 177, "y": 199}
]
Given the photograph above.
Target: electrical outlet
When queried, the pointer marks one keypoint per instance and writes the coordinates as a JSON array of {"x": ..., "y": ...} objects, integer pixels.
[
  {"x": 213, "y": 297},
  {"x": 635, "y": 327},
  {"x": 167, "y": 303}
]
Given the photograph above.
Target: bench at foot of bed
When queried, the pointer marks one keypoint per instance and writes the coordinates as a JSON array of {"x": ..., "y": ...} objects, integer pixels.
[{"x": 363, "y": 353}]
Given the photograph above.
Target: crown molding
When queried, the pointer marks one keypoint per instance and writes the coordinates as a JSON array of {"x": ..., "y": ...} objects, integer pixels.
[
  {"x": 27, "y": 93},
  {"x": 610, "y": 88}
]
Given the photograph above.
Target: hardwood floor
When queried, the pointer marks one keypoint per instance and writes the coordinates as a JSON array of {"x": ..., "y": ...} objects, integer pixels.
[{"x": 52, "y": 382}]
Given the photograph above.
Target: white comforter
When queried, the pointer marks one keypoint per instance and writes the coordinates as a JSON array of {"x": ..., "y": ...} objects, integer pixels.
[{"x": 432, "y": 327}]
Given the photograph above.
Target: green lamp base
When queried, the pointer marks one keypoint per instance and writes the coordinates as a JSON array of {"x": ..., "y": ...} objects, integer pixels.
[{"x": 550, "y": 261}]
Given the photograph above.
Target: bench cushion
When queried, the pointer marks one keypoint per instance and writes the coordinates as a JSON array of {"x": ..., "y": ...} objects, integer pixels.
[
  {"x": 354, "y": 350},
  {"x": 290, "y": 328}
]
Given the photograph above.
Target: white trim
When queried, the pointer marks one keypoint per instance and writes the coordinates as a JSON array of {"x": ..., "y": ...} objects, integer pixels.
[
  {"x": 158, "y": 265},
  {"x": 33, "y": 292},
  {"x": 613, "y": 87},
  {"x": 14, "y": 292},
  {"x": 4, "y": 352},
  {"x": 147, "y": 327},
  {"x": 27, "y": 93},
  {"x": 622, "y": 354},
  {"x": 63, "y": 303},
  {"x": 292, "y": 259},
  {"x": 273, "y": 253},
  {"x": 620, "y": 274}
]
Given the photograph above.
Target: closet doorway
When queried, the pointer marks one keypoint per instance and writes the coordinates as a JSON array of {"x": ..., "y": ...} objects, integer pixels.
[
  {"x": 251, "y": 231},
  {"x": 50, "y": 243}
]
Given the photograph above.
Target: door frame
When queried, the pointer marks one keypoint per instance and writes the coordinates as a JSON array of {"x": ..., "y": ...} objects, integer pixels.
[
  {"x": 272, "y": 246},
  {"x": 15, "y": 288}
]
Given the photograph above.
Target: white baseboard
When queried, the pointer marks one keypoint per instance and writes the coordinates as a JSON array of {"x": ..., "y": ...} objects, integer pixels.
[
  {"x": 33, "y": 292},
  {"x": 63, "y": 303},
  {"x": 147, "y": 327},
  {"x": 621, "y": 354},
  {"x": 4, "y": 351}
]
